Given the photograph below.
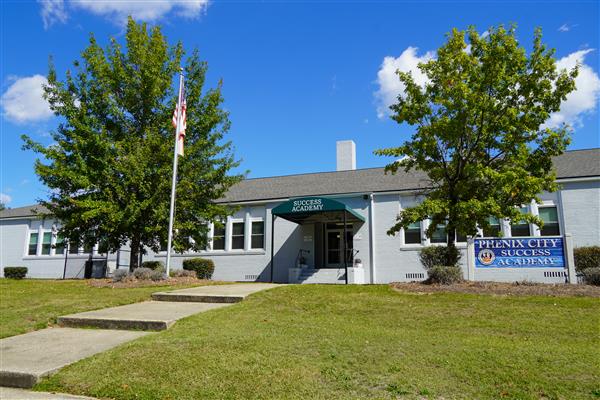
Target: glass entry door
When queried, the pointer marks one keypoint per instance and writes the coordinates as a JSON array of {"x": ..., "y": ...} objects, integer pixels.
[{"x": 334, "y": 247}]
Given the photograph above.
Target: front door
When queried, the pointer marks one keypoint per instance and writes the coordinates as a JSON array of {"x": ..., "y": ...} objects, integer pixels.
[{"x": 334, "y": 247}]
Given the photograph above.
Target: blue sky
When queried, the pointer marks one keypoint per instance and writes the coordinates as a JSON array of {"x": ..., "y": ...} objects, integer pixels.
[{"x": 297, "y": 75}]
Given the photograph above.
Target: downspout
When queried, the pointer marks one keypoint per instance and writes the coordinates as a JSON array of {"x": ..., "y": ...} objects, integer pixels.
[
  {"x": 272, "y": 243},
  {"x": 372, "y": 236}
]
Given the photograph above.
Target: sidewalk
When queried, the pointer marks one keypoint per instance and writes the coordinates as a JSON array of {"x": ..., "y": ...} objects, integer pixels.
[{"x": 25, "y": 359}]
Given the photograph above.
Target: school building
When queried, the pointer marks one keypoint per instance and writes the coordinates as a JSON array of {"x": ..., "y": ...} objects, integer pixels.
[{"x": 327, "y": 227}]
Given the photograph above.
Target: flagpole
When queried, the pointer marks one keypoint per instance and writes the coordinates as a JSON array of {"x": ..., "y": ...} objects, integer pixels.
[{"x": 174, "y": 182}]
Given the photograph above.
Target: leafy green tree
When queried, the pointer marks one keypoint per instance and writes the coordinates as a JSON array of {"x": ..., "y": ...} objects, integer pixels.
[
  {"x": 109, "y": 168},
  {"x": 479, "y": 132}
]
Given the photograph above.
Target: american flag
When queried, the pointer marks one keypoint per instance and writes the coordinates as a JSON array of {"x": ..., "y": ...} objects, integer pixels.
[{"x": 180, "y": 130}]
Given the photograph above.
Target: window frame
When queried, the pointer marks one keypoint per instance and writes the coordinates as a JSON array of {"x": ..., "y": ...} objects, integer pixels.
[
  {"x": 252, "y": 234},
  {"x": 406, "y": 230},
  {"x": 243, "y": 234},
  {"x": 524, "y": 210},
  {"x": 558, "y": 225},
  {"x": 213, "y": 231}
]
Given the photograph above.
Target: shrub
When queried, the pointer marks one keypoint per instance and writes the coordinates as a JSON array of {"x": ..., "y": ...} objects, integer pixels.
[
  {"x": 586, "y": 257},
  {"x": 142, "y": 273},
  {"x": 154, "y": 265},
  {"x": 437, "y": 255},
  {"x": 15, "y": 272},
  {"x": 182, "y": 273},
  {"x": 119, "y": 275},
  {"x": 591, "y": 276},
  {"x": 204, "y": 268},
  {"x": 444, "y": 275},
  {"x": 157, "y": 275}
]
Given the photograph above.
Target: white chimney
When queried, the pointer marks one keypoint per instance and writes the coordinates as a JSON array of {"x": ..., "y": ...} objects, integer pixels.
[{"x": 345, "y": 155}]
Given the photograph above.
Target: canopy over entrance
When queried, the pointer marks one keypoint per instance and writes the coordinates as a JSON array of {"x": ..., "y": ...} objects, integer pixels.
[{"x": 314, "y": 209}]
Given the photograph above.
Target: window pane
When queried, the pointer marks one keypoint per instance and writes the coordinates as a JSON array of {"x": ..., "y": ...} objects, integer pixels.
[
  {"x": 33, "y": 240},
  {"x": 550, "y": 217},
  {"x": 258, "y": 227},
  {"x": 87, "y": 248},
  {"x": 219, "y": 231},
  {"x": 494, "y": 229},
  {"x": 520, "y": 228},
  {"x": 439, "y": 236},
  {"x": 412, "y": 234},
  {"x": 258, "y": 242},
  {"x": 219, "y": 243},
  {"x": 73, "y": 248},
  {"x": 548, "y": 214},
  {"x": 237, "y": 242},
  {"x": 461, "y": 238},
  {"x": 237, "y": 228},
  {"x": 46, "y": 243},
  {"x": 60, "y": 245}
]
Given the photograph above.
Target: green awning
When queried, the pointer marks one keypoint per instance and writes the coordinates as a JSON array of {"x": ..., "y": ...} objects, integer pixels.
[{"x": 316, "y": 209}]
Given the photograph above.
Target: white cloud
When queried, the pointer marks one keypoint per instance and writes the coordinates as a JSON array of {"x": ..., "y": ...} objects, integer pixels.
[
  {"x": 149, "y": 11},
  {"x": 52, "y": 11},
  {"x": 390, "y": 86},
  {"x": 584, "y": 99},
  {"x": 564, "y": 28},
  {"x": 23, "y": 102},
  {"x": 5, "y": 199}
]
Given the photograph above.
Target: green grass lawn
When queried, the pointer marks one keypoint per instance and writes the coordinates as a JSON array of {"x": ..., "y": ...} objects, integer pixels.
[
  {"x": 31, "y": 304},
  {"x": 357, "y": 342}
]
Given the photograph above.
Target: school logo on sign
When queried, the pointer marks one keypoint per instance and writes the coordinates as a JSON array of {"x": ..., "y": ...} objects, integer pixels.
[
  {"x": 527, "y": 252},
  {"x": 486, "y": 256}
]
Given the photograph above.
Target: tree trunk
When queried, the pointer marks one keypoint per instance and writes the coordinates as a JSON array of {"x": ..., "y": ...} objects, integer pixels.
[{"x": 135, "y": 251}]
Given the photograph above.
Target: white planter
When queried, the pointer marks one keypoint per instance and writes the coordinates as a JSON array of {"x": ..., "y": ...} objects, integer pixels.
[{"x": 356, "y": 275}]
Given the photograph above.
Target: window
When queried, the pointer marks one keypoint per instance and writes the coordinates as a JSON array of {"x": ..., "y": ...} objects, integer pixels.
[
  {"x": 46, "y": 243},
  {"x": 412, "y": 233},
  {"x": 439, "y": 235},
  {"x": 73, "y": 248},
  {"x": 550, "y": 217},
  {"x": 460, "y": 237},
  {"x": 33, "y": 241},
  {"x": 494, "y": 229},
  {"x": 237, "y": 236},
  {"x": 219, "y": 238},
  {"x": 520, "y": 228},
  {"x": 87, "y": 249},
  {"x": 59, "y": 246},
  {"x": 257, "y": 240}
]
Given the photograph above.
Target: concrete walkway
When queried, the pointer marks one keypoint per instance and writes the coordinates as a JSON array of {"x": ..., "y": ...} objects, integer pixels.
[
  {"x": 25, "y": 359},
  {"x": 21, "y": 394},
  {"x": 147, "y": 316},
  {"x": 215, "y": 293}
]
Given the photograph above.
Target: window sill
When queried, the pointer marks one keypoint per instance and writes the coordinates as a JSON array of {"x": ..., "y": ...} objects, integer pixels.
[
  {"x": 413, "y": 247},
  {"x": 216, "y": 253}
]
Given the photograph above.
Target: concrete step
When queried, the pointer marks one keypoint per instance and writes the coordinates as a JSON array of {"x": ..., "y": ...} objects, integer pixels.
[
  {"x": 28, "y": 358},
  {"x": 227, "y": 294},
  {"x": 147, "y": 316}
]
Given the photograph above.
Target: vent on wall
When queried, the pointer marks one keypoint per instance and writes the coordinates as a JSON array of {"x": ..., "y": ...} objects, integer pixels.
[
  {"x": 251, "y": 277},
  {"x": 554, "y": 274},
  {"x": 415, "y": 275}
]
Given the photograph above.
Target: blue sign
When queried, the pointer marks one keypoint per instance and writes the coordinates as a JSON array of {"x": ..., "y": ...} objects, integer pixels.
[{"x": 527, "y": 252}]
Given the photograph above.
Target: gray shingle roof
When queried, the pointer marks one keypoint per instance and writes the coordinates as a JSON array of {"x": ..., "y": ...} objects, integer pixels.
[
  {"x": 572, "y": 164},
  {"x": 23, "y": 211}
]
